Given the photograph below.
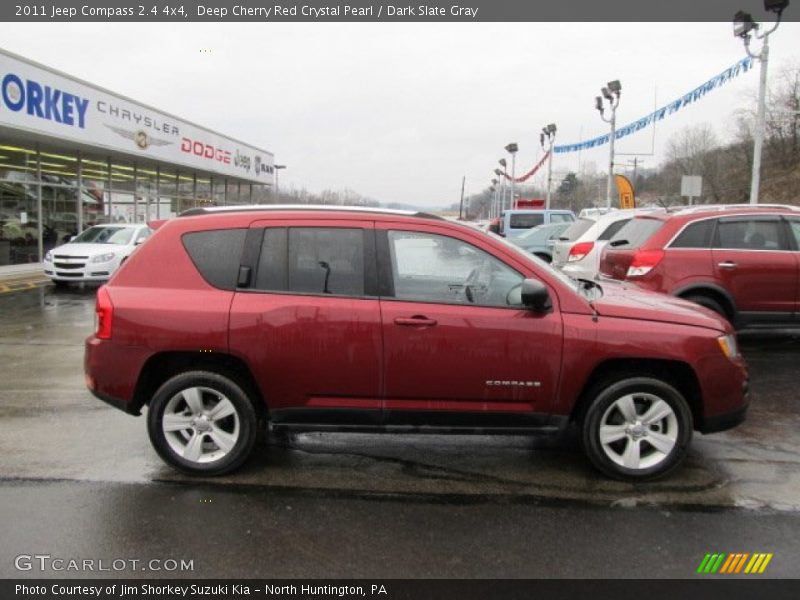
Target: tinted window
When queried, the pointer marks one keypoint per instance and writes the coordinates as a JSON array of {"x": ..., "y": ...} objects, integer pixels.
[
  {"x": 326, "y": 261},
  {"x": 795, "y": 224},
  {"x": 272, "y": 273},
  {"x": 612, "y": 229},
  {"x": 749, "y": 234},
  {"x": 635, "y": 232},
  {"x": 435, "y": 268},
  {"x": 695, "y": 235},
  {"x": 523, "y": 221},
  {"x": 576, "y": 230},
  {"x": 217, "y": 255}
]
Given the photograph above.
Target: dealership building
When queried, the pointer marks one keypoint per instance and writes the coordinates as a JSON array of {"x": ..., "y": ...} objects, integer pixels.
[{"x": 73, "y": 154}]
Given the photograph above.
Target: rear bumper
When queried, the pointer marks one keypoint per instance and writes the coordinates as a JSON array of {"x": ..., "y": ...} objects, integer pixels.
[{"x": 111, "y": 372}]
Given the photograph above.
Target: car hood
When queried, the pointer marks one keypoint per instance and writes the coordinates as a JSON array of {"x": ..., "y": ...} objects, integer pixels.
[
  {"x": 626, "y": 301},
  {"x": 88, "y": 249}
]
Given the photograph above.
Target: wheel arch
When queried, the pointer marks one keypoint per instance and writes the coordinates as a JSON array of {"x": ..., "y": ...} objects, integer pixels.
[
  {"x": 163, "y": 365},
  {"x": 712, "y": 290},
  {"x": 678, "y": 374}
]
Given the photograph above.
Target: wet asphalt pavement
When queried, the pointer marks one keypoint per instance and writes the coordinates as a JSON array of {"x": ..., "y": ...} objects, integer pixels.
[{"x": 80, "y": 479}]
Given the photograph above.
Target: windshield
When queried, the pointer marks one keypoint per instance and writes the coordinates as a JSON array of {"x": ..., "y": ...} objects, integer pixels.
[{"x": 105, "y": 234}]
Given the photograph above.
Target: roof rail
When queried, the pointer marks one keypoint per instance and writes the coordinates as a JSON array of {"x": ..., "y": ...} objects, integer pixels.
[
  {"x": 709, "y": 207},
  {"x": 234, "y": 208}
]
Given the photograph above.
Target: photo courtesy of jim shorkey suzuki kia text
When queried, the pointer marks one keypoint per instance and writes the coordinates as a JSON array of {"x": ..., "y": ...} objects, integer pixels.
[{"x": 193, "y": 590}]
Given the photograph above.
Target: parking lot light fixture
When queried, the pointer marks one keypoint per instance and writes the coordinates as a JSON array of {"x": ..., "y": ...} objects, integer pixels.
[
  {"x": 744, "y": 27},
  {"x": 611, "y": 93},
  {"x": 548, "y": 135},
  {"x": 512, "y": 149}
]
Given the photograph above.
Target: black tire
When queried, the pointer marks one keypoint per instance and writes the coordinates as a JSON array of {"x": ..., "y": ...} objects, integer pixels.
[
  {"x": 643, "y": 390},
  {"x": 708, "y": 302},
  {"x": 214, "y": 388}
]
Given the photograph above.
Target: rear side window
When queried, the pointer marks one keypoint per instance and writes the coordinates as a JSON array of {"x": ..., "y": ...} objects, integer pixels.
[
  {"x": 695, "y": 235},
  {"x": 312, "y": 260},
  {"x": 795, "y": 225},
  {"x": 612, "y": 230},
  {"x": 523, "y": 221},
  {"x": 635, "y": 232},
  {"x": 576, "y": 230},
  {"x": 749, "y": 234},
  {"x": 216, "y": 254}
]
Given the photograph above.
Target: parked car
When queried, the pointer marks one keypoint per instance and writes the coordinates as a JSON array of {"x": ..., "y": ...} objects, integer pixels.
[
  {"x": 519, "y": 220},
  {"x": 337, "y": 318},
  {"x": 95, "y": 254},
  {"x": 740, "y": 261},
  {"x": 577, "y": 251},
  {"x": 539, "y": 240}
]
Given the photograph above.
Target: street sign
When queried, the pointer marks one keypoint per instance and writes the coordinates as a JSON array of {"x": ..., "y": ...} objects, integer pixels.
[{"x": 691, "y": 186}]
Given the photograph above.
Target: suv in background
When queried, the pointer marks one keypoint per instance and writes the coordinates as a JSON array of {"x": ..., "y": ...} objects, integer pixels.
[
  {"x": 339, "y": 318},
  {"x": 577, "y": 251},
  {"x": 741, "y": 261},
  {"x": 517, "y": 221}
]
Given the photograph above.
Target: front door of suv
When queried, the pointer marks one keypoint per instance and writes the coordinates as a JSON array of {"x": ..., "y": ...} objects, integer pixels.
[
  {"x": 306, "y": 318},
  {"x": 753, "y": 261},
  {"x": 459, "y": 348}
]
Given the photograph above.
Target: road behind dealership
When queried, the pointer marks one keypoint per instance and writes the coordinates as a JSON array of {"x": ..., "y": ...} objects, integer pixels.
[{"x": 80, "y": 478}]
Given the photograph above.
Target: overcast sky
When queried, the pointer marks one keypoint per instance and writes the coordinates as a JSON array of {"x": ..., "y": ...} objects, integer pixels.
[{"x": 399, "y": 112}]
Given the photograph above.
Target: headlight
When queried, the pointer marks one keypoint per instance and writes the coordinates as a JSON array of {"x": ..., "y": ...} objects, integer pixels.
[
  {"x": 727, "y": 344},
  {"x": 100, "y": 258},
  {"x": 49, "y": 256}
]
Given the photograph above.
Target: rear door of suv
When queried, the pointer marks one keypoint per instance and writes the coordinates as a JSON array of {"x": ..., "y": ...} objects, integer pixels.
[
  {"x": 458, "y": 344},
  {"x": 753, "y": 260},
  {"x": 794, "y": 241},
  {"x": 306, "y": 317}
]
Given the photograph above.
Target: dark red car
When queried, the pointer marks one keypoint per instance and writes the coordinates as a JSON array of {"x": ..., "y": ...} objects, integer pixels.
[
  {"x": 740, "y": 261},
  {"x": 368, "y": 320}
]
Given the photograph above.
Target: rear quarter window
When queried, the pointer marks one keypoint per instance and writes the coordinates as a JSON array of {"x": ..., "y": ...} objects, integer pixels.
[
  {"x": 217, "y": 255},
  {"x": 612, "y": 230},
  {"x": 695, "y": 235},
  {"x": 576, "y": 230},
  {"x": 635, "y": 232}
]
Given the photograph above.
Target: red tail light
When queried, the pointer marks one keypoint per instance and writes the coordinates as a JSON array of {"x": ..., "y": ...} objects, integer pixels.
[
  {"x": 644, "y": 261},
  {"x": 105, "y": 313},
  {"x": 578, "y": 251}
]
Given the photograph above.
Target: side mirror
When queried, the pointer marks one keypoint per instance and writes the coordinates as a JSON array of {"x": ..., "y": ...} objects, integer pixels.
[{"x": 535, "y": 295}]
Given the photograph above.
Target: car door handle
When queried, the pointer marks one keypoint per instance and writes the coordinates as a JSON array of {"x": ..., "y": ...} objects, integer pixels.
[
  {"x": 415, "y": 321},
  {"x": 727, "y": 265}
]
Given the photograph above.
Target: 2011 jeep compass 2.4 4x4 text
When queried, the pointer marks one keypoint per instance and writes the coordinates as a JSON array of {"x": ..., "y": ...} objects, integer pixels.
[{"x": 367, "y": 320}]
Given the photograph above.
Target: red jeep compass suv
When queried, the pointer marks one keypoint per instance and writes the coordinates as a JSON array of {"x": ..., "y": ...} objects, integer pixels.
[
  {"x": 315, "y": 318},
  {"x": 740, "y": 261}
]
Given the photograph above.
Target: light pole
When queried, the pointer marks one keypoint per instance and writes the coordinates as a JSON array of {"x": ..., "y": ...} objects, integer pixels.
[
  {"x": 610, "y": 93},
  {"x": 743, "y": 25},
  {"x": 503, "y": 178},
  {"x": 512, "y": 150},
  {"x": 493, "y": 205},
  {"x": 277, "y": 169},
  {"x": 549, "y": 134}
]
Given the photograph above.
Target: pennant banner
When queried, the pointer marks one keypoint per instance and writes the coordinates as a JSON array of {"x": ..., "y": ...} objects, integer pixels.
[
  {"x": 530, "y": 173},
  {"x": 742, "y": 66}
]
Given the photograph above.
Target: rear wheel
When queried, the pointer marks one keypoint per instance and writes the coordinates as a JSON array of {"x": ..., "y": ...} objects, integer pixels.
[
  {"x": 202, "y": 423},
  {"x": 708, "y": 302},
  {"x": 637, "y": 429}
]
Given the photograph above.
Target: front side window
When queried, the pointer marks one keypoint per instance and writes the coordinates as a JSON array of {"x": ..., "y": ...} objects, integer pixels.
[
  {"x": 433, "y": 268},
  {"x": 749, "y": 234}
]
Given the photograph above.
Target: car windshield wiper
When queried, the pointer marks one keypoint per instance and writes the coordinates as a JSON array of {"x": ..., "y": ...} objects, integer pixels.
[{"x": 615, "y": 243}]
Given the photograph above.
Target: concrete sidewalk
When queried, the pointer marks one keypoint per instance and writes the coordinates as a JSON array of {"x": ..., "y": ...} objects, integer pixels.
[{"x": 18, "y": 277}]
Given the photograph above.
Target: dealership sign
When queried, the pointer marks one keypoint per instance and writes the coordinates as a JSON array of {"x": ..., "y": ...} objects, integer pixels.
[{"x": 38, "y": 100}]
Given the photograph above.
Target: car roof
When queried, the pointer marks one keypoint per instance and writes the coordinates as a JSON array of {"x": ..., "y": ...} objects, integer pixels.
[{"x": 692, "y": 213}]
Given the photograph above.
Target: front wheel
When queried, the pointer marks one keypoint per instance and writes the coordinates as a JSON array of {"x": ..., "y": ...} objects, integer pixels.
[
  {"x": 637, "y": 429},
  {"x": 202, "y": 423}
]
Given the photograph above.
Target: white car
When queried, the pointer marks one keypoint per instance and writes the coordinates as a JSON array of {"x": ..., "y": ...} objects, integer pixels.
[
  {"x": 95, "y": 254},
  {"x": 577, "y": 250}
]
